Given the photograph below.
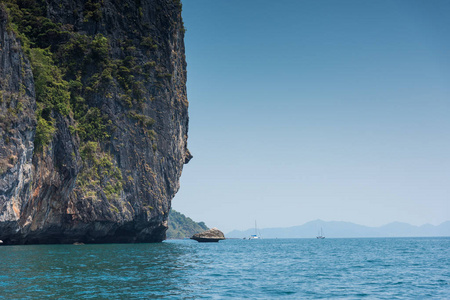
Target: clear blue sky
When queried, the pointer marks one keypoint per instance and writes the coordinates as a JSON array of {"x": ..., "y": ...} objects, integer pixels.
[{"x": 303, "y": 110}]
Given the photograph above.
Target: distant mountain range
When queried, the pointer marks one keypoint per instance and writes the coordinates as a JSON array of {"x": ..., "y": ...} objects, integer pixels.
[{"x": 337, "y": 229}]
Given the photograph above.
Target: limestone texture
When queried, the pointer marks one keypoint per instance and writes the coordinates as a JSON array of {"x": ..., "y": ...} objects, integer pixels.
[
  {"x": 93, "y": 119},
  {"x": 211, "y": 235}
]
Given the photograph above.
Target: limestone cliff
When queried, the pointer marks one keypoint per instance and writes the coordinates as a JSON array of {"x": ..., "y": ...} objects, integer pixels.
[{"x": 93, "y": 119}]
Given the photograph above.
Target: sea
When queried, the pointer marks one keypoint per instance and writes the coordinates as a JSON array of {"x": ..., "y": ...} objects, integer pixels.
[{"x": 378, "y": 268}]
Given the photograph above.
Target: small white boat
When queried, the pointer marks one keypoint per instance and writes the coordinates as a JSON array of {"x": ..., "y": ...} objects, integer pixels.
[
  {"x": 255, "y": 236},
  {"x": 320, "y": 235}
]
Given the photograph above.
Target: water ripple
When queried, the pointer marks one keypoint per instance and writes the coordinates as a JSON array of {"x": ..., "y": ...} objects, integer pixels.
[{"x": 262, "y": 269}]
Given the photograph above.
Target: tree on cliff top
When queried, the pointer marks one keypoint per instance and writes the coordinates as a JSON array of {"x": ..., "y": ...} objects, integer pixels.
[{"x": 181, "y": 226}]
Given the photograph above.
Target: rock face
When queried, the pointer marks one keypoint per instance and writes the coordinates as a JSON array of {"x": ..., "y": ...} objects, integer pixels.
[
  {"x": 93, "y": 119},
  {"x": 212, "y": 235}
]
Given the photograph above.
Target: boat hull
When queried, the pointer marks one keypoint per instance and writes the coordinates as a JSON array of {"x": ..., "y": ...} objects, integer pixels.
[{"x": 207, "y": 240}]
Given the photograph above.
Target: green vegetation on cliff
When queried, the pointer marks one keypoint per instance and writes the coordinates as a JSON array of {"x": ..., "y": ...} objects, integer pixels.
[
  {"x": 94, "y": 116},
  {"x": 181, "y": 226},
  {"x": 71, "y": 71},
  {"x": 67, "y": 68}
]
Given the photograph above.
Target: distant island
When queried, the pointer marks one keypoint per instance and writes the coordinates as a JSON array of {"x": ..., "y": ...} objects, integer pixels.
[
  {"x": 181, "y": 226},
  {"x": 337, "y": 229}
]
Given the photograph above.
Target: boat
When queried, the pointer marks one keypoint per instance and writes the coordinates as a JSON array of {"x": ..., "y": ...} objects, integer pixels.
[
  {"x": 320, "y": 236},
  {"x": 255, "y": 236}
]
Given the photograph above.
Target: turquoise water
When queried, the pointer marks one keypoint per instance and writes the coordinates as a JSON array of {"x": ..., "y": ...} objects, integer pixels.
[{"x": 393, "y": 268}]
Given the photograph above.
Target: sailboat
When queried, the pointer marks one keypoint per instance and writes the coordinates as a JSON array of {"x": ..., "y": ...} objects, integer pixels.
[
  {"x": 320, "y": 236},
  {"x": 255, "y": 236}
]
